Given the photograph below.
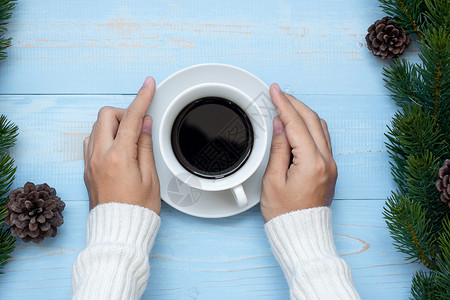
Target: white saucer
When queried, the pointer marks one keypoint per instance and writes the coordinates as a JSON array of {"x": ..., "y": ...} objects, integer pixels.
[{"x": 179, "y": 195}]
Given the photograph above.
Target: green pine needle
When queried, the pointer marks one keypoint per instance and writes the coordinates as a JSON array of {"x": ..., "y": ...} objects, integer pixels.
[
  {"x": 410, "y": 229},
  {"x": 413, "y": 132},
  {"x": 6, "y": 6},
  {"x": 6, "y": 177},
  {"x": 402, "y": 80},
  {"x": 417, "y": 16},
  {"x": 443, "y": 259},
  {"x": 424, "y": 286},
  {"x": 444, "y": 246},
  {"x": 8, "y": 134},
  {"x": 418, "y": 144},
  {"x": 438, "y": 13},
  {"x": 6, "y": 246},
  {"x": 407, "y": 13},
  {"x": 435, "y": 75}
]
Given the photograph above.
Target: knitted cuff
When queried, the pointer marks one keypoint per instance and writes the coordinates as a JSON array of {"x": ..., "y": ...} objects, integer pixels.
[
  {"x": 302, "y": 242},
  {"x": 119, "y": 223},
  {"x": 300, "y": 236}
]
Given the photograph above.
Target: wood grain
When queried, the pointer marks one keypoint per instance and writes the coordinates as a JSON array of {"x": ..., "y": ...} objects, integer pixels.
[
  {"x": 204, "y": 259},
  {"x": 69, "y": 58},
  {"x": 108, "y": 47},
  {"x": 53, "y": 127}
]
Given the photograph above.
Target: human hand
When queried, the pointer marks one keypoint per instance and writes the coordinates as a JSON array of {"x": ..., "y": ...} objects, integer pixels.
[
  {"x": 311, "y": 178},
  {"x": 118, "y": 155}
]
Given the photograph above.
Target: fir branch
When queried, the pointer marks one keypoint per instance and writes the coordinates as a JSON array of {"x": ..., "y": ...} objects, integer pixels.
[
  {"x": 444, "y": 246},
  {"x": 401, "y": 79},
  {"x": 412, "y": 132},
  {"x": 435, "y": 75},
  {"x": 410, "y": 229},
  {"x": 6, "y": 177},
  {"x": 3, "y": 213},
  {"x": 424, "y": 286},
  {"x": 413, "y": 22},
  {"x": 8, "y": 133},
  {"x": 6, "y": 246},
  {"x": 437, "y": 80},
  {"x": 417, "y": 244},
  {"x": 418, "y": 142},
  {"x": 8, "y": 136},
  {"x": 406, "y": 13},
  {"x": 438, "y": 13},
  {"x": 443, "y": 261},
  {"x": 420, "y": 177},
  {"x": 6, "y": 6}
]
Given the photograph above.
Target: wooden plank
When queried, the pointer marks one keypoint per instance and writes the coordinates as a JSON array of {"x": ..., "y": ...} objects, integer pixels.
[
  {"x": 204, "y": 259},
  {"x": 52, "y": 129},
  {"x": 314, "y": 49},
  {"x": 109, "y": 46}
]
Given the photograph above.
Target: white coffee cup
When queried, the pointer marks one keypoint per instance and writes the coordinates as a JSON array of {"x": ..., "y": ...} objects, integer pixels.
[{"x": 232, "y": 182}]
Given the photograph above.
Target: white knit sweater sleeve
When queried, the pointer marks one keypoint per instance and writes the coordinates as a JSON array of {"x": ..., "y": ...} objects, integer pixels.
[
  {"x": 115, "y": 262},
  {"x": 302, "y": 242}
]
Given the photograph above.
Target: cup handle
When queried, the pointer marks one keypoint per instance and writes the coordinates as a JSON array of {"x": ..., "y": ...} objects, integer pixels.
[{"x": 240, "y": 196}]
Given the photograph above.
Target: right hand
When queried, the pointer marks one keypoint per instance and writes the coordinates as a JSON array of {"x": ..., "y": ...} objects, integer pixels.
[{"x": 311, "y": 178}]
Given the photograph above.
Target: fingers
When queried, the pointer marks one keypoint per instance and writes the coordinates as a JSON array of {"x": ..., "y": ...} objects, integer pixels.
[
  {"x": 107, "y": 125},
  {"x": 85, "y": 151},
  {"x": 280, "y": 151},
  {"x": 313, "y": 122},
  {"x": 130, "y": 127},
  {"x": 327, "y": 135},
  {"x": 86, "y": 155},
  {"x": 145, "y": 156},
  {"x": 91, "y": 141},
  {"x": 297, "y": 132}
]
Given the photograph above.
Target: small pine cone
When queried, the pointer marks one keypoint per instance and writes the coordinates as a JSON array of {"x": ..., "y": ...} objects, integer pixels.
[
  {"x": 386, "y": 39},
  {"x": 34, "y": 212},
  {"x": 443, "y": 184}
]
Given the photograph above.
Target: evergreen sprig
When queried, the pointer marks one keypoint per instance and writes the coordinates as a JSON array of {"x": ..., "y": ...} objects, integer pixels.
[
  {"x": 443, "y": 261},
  {"x": 409, "y": 14},
  {"x": 6, "y": 6},
  {"x": 410, "y": 230},
  {"x": 424, "y": 285},
  {"x": 418, "y": 144},
  {"x": 6, "y": 246},
  {"x": 6, "y": 178},
  {"x": 8, "y": 135},
  {"x": 435, "y": 75}
]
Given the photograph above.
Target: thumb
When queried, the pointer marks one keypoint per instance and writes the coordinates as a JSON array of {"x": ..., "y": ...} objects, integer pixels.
[
  {"x": 280, "y": 151},
  {"x": 145, "y": 156}
]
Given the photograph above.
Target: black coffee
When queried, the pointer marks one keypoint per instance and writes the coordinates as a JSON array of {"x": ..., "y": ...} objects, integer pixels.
[{"x": 212, "y": 137}]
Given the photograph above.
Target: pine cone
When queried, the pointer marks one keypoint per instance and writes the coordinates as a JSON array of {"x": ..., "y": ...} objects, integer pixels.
[
  {"x": 443, "y": 184},
  {"x": 386, "y": 39},
  {"x": 34, "y": 212}
]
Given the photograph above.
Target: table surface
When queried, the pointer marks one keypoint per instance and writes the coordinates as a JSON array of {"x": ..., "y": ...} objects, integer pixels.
[{"x": 69, "y": 58}]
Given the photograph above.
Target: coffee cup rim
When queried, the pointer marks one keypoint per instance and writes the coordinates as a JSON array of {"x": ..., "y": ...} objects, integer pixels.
[{"x": 218, "y": 90}]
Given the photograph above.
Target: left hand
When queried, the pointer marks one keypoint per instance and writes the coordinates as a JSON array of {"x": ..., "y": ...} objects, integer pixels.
[{"x": 118, "y": 155}]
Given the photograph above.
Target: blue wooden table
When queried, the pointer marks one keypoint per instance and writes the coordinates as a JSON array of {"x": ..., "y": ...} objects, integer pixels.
[{"x": 69, "y": 58}]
